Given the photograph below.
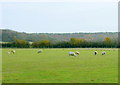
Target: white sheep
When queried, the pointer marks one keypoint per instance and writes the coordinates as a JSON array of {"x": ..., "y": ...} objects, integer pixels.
[
  {"x": 39, "y": 51},
  {"x": 77, "y": 53},
  {"x": 72, "y": 54},
  {"x": 8, "y": 52},
  {"x": 95, "y": 52},
  {"x": 13, "y": 51},
  {"x": 103, "y": 53}
]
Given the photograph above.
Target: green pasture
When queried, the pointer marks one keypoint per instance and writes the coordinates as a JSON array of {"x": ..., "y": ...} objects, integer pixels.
[{"x": 55, "y": 66}]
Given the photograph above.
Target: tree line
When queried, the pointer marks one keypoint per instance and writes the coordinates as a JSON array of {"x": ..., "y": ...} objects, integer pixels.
[
  {"x": 10, "y": 36},
  {"x": 72, "y": 43}
]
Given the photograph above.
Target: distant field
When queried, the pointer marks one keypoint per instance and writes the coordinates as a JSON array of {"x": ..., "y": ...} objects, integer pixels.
[{"x": 55, "y": 66}]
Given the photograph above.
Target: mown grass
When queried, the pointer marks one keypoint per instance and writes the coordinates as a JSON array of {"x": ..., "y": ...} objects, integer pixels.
[{"x": 55, "y": 66}]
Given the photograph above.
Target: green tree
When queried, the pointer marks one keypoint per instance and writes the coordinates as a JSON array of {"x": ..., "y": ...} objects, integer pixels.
[
  {"x": 108, "y": 42},
  {"x": 44, "y": 43},
  {"x": 35, "y": 44},
  {"x": 77, "y": 42},
  {"x": 21, "y": 43}
]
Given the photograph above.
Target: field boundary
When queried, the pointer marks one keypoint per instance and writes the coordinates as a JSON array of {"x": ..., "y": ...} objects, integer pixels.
[{"x": 60, "y": 84}]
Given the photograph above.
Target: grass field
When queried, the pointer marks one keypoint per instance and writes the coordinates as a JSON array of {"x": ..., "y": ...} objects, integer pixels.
[{"x": 55, "y": 66}]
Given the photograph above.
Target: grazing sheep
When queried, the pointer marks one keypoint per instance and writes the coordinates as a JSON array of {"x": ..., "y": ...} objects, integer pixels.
[
  {"x": 103, "y": 53},
  {"x": 95, "y": 52},
  {"x": 72, "y": 54},
  {"x": 39, "y": 51},
  {"x": 13, "y": 51},
  {"x": 8, "y": 52},
  {"x": 77, "y": 53}
]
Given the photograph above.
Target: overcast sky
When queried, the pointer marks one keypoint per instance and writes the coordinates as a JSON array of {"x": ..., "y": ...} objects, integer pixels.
[{"x": 66, "y": 16}]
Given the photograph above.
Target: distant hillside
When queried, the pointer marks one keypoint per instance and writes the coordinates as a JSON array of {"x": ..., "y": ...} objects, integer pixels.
[{"x": 10, "y": 35}]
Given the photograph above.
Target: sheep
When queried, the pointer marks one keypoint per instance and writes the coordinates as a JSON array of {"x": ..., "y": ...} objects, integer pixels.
[
  {"x": 8, "y": 52},
  {"x": 39, "y": 51},
  {"x": 77, "y": 53},
  {"x": 13, "y": 51},
  {"x": 95, "y": 52},
  {"x": 103, "y": 53},
  {"x": 72, "y": 54}
]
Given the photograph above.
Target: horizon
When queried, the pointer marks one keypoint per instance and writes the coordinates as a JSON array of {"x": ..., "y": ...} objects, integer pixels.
[{"x": 57, "y": 32}]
